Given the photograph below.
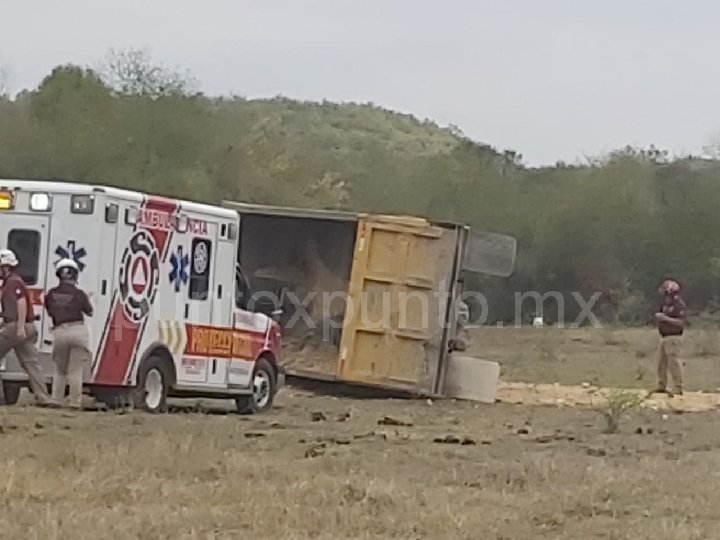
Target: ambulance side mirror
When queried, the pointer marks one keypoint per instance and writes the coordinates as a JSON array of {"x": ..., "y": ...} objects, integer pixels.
[
  {"x": 281, "y": 295},
  {"x": 280, "y": 306},
  {"x": 266, "y": 306}
]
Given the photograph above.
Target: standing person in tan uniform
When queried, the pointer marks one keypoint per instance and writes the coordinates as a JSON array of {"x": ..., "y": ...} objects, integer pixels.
[
  {"x": 671, "y": 323},
  {"x": 68, "y": 305},
  {"x": 18, "y": 332}
]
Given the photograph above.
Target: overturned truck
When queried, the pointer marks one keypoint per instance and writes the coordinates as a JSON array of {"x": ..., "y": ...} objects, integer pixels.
[{"x": 366, "y": 298}]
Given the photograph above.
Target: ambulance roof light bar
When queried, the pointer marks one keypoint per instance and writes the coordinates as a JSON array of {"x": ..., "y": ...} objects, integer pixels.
[
  {"x": 40, "y": 202},
  {"x": 181, "y": 223},
  {"x": 7, "y": 201},
  {"x": 82, "y": 204},
  {"x": 131, "y": 215}
]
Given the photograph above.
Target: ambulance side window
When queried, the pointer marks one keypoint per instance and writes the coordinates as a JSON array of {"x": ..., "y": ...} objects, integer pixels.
[
  {"x": 26, "y": 245},
  {"x": 200, "y": 269}
]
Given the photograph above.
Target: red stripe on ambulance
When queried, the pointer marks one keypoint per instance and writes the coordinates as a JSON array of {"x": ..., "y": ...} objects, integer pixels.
[{"x": 137, "y": 287}]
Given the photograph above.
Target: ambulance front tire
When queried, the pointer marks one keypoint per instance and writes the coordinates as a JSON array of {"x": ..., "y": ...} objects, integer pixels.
[
  {"x": 11, "y": 391},
  {"x": 264, "y": 387},
  {"x": 154, "y": 380}
]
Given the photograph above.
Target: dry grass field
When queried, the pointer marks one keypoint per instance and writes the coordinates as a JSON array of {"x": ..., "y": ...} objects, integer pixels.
[{"x": 325, "y": 467}]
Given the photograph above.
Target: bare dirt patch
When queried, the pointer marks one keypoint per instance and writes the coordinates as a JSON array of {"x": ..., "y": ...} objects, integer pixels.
[{"x": 589, "y": 396}]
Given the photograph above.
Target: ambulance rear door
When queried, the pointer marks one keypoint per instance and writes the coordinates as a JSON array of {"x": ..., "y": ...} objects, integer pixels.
[
  {"x": 77, "y": 226},
  {"x": 27, "y": 235}
]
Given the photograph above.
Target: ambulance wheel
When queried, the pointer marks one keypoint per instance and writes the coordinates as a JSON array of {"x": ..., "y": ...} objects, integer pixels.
[
  {"x": 261, "y": 400},
  {"x": 153, "y": 385},
  {"x": 11, "y": 390}
]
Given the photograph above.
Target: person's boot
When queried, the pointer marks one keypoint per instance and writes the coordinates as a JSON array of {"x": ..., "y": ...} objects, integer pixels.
[
  {"x": 73, "y": 406},
  {"x": 662, "y": 390},
  {"x": 44, "y": 400}
]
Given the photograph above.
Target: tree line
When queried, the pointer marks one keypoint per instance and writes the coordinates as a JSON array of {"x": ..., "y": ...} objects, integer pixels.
[{"x": 617, "y": 224}]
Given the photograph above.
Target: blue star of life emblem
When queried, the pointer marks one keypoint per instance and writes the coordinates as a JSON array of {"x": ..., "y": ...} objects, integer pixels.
[
  {"x": 77, "y": 254},
  {"x": 179, "y": 262}
]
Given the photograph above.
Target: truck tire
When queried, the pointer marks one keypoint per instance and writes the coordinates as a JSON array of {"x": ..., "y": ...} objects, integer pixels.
[
  {"x": 264, "y": 388},
  {"x": 153, "y": 384},
  {"x": 11, "y": 391}
]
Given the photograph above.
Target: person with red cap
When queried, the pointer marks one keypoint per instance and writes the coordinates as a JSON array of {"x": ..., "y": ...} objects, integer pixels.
[{"x": 670, "y": 321}]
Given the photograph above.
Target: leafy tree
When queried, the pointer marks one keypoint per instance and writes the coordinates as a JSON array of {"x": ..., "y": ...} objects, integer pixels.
[{"x": 133, "y": 72}]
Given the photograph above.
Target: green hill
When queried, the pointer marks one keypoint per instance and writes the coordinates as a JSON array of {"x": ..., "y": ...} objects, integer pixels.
[
  {"x": 350, "y": 126},
  {"x": 279, "y": 150}
]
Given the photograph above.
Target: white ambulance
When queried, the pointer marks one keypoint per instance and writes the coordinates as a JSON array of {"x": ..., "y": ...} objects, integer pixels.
[{"x": 174, "y": 314}]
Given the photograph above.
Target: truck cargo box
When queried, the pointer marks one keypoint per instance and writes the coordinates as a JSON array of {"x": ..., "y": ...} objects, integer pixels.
[{"x": 366, "y": 298}]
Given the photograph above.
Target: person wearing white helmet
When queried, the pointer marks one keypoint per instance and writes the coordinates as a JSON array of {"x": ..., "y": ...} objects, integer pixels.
[
  {"x": 68, "y": 305},
  {"x": 18, "y": 332}
]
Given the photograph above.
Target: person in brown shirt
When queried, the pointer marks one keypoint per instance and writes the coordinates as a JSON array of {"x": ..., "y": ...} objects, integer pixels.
[
  {"x": 68, "y": 306},
  {"x": 18, "y": 332},
  {"x": 670, "y": 320}
]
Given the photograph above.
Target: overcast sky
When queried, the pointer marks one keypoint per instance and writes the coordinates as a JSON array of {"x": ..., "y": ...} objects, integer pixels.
[{"x": 552, "y": 79}]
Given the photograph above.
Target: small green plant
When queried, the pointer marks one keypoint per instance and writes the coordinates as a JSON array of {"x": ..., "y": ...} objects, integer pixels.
[{"x": 618, "y": 403}]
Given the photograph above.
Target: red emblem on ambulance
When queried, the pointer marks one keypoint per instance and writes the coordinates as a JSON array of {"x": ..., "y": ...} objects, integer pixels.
[{"x": 139, "y": 275}]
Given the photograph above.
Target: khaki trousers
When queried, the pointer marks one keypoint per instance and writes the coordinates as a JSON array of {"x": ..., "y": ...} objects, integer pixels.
[
  {"x": 27, "y": 355},
  {"x": 71, "y": 349},
  {"x": 669, "y": 361}
]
